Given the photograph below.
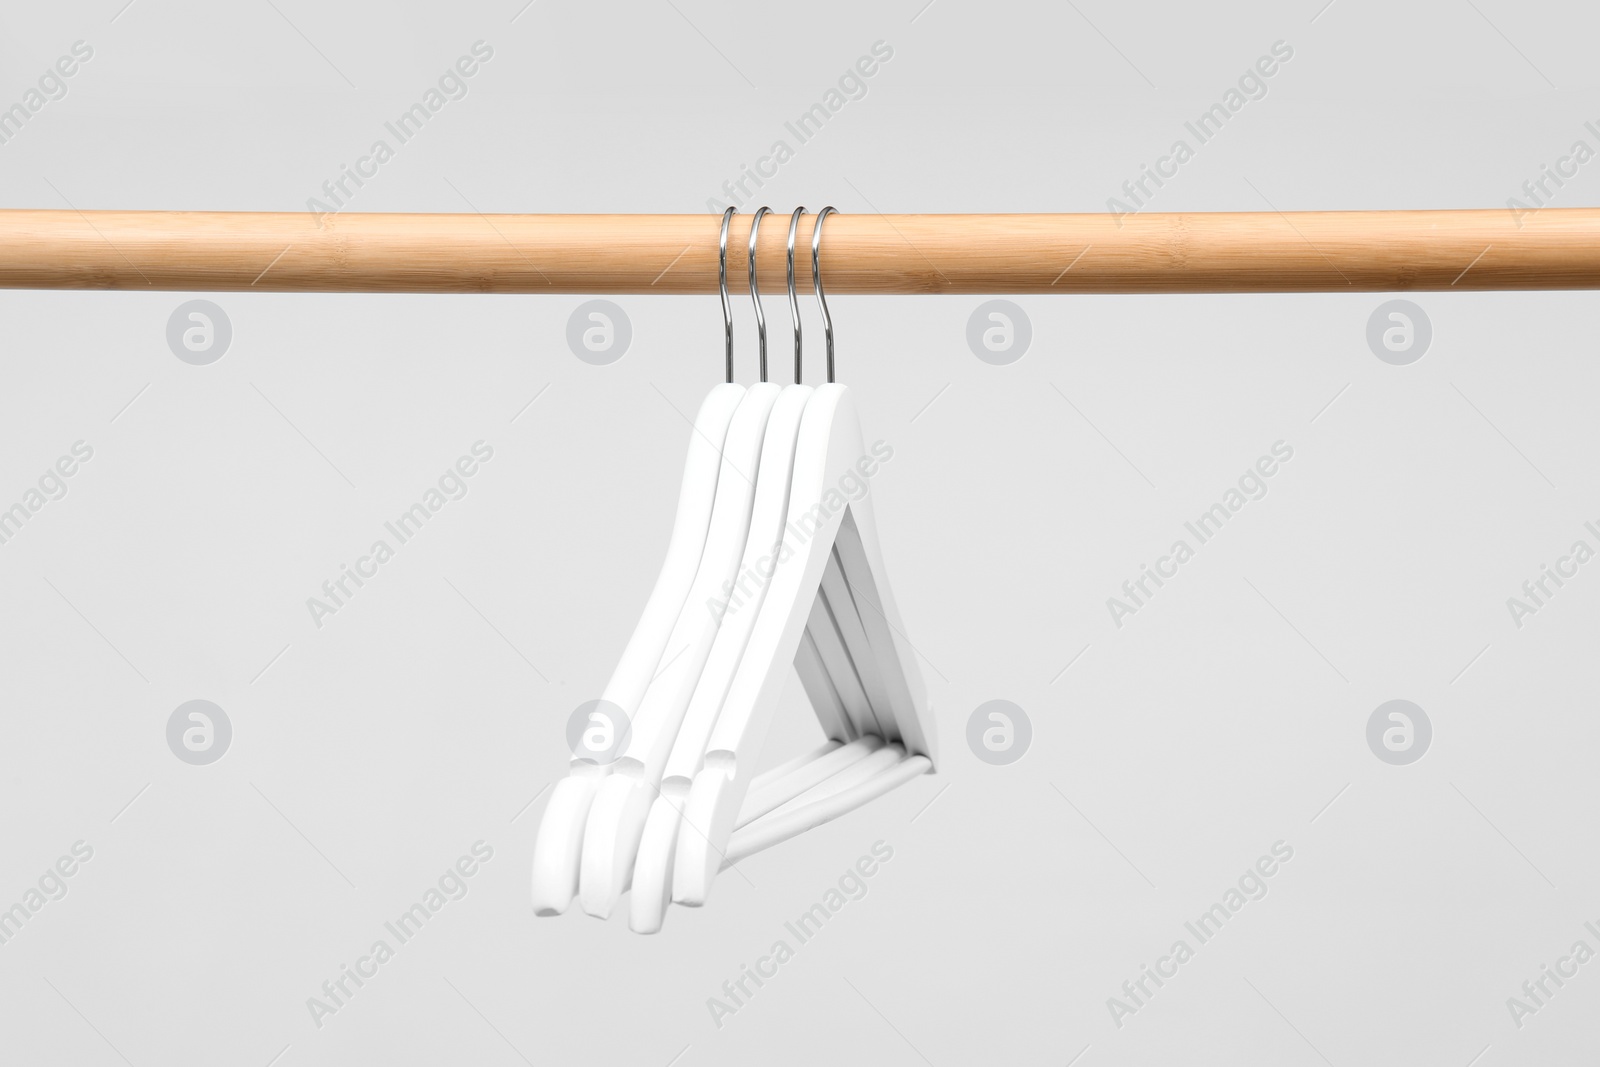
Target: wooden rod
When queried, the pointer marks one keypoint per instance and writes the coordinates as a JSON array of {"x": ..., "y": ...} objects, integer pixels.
[{"x": 1312, "y": 251}]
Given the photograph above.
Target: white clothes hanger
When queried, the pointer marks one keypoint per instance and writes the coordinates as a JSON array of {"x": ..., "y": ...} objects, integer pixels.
[
  {"x": 558, "y": 847},
  {"x": 843, "y": 639},
  {"x": 621, "y": 807}
]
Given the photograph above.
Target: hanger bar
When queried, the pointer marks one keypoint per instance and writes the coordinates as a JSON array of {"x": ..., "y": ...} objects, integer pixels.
[{"x": 1307, "y": 251}]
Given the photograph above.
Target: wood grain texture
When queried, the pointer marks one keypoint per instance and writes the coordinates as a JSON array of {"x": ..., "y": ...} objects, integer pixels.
[{"x": 1319, "y": 251}]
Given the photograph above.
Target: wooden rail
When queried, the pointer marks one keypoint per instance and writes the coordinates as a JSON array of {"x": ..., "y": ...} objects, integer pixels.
[{"x": 1315, "y": 251}]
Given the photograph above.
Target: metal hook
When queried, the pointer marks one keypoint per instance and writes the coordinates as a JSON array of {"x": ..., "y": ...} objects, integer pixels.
[
  {"x": 794, "y": 301},
  {"x": 722, "y": 283},
  {"x": 755, "y": 294},
  {"x": 816, "y": 280}
]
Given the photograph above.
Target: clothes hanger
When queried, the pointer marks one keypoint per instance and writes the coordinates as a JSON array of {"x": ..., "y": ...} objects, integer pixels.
[
  {"x": 622, "y": 803},
  {"x": 830, "y": 442},
  {"x": 836, "y": 657},
  {"x": 558, "y": 847}
]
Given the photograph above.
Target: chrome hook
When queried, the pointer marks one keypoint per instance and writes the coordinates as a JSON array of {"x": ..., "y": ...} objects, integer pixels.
[
  {"x": 816, "y": 280},
  {"x": 727, "y": 306},
  {"x": 755, "y": 294},
  {"x": 794, "y": 301}
]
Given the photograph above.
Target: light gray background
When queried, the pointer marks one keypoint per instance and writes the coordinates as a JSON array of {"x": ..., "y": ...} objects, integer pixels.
[{"x": 1166, "y": 758}]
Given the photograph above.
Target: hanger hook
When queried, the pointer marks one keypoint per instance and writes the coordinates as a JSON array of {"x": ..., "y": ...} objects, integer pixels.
[
  {"x": 794, "y": 301},
  {"x": 755, "y": 294},
  {"x": 722, "y": 284},
  {"x": 816, "y": 280}
]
